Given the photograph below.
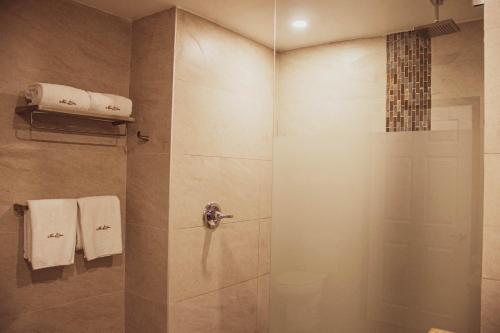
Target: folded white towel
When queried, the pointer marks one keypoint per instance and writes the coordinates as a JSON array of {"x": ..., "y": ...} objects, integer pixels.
[
  {"x": 55, "y": 97},
  {"x": 107, "y": 104},
  {"x": 100, "y": 225},
  {"x": 50, "y": 232}
]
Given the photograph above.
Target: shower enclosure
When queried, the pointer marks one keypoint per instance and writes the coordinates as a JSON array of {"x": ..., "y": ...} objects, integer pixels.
[{"x": 377, "y": 180}]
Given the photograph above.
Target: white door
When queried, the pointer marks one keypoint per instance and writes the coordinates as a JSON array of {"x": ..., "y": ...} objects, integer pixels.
[{"x": 420, "y": 225}]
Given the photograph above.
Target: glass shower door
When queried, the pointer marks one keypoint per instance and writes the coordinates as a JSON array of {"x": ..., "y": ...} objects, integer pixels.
[{"x": 373, "y": 231}]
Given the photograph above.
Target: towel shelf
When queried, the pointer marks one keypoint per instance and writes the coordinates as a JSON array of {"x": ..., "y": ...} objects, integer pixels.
[{"x": 31, "y": 111}]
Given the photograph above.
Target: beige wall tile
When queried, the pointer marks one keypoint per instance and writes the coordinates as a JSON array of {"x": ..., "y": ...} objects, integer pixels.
[
  {"x": 61, "y": 173},
  {"x": 223, "y": 92},
  {"x": 222, "y": 151},
  {"x": 211, "y": 55},
  {"x": 149, "y": 173},
  {"x": 144, "y": 315},
  {"x": 226, "y": 123},
  {"x": 446, "y": 86},
  {"x": 294, "y": 120},
  {"x": 23, "y": 290},
  {"x": 152, "y": 81},
  {"x": 265, "y": 247},
  {"x": 491, "y": 252},
  {"x": 203, "y": 260},
  {"x": 492, "y": 81},
  {"x": 491, "y": 135},
  {"x": 491, "y": 14},
  {"x": 457, "y": 63},
  {"x": 63, "y": 43},
  {"x": 263, "y": 305},
  {"x": 242, "y": 187},
  {"x": 312, "y": 85},
  {"x": 48, "y": 173},
  {"x": 39, "y": 51},
  {"x": 146, "y": 262},
  {"x": 302, "y": 71},
  {"x": 103, "y": 313},
  {"x": 466, "y": 46},
  {"x": 491, "y": 190},
  {"x": 147, "y": 189},
  {"x": 228, "y": 310},
  {"x": 491, "y": 234},
  {"x": 490, "y": 306}
]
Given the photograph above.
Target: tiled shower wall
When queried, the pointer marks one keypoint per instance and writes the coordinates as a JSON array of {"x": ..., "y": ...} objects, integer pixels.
[
  {"x": 61, "y": 42},
  {"x": 148, "y": 173},
  {"x": 222, "y": 133},
  {"x": 490, "y": 318},
  {"x": 408, "y": 82}
]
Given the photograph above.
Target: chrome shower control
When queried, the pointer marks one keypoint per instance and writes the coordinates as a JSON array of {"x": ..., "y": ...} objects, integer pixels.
[{"x": 212, "y": 216}]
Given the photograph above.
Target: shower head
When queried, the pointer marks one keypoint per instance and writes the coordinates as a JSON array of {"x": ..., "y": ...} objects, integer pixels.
[{"x": 438, "y": 28}]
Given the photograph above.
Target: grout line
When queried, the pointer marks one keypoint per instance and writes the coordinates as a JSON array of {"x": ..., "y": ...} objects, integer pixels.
[
  {"x": 139, "y": 154},
  {"x": 62, "y": 305},
  {"x": 145, "y": 226},
  {"x": 230, "y": 157},
  {"x": 144, "y": 298},
  {"x": 226, "y": 223},
  {"x": 219, "y": 289},
  {"x": 490, "y": 279}
]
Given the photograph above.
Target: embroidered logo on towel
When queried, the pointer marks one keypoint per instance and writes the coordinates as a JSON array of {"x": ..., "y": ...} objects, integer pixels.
[
  {"x": 103, "y": 227},
  {"x": 112, "y": 107},
  {"x": 56, "y": 235},
  {"x": 69, "y": 102}
]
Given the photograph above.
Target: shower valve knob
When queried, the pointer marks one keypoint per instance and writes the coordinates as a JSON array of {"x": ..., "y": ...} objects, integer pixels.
[{"x": 212, "y": 216}]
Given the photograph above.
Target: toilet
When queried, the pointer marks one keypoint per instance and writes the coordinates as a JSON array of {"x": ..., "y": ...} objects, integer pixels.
[{"x": 300, "y": 295}]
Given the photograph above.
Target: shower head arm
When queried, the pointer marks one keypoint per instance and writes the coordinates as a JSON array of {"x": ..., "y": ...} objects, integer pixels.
[{"x": 437, "y": 4}]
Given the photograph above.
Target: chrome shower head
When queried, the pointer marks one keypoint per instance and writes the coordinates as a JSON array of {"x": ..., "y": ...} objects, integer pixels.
[{"x": 438, "y": 28}]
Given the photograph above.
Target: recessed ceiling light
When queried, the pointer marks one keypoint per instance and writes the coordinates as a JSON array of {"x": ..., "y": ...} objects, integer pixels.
[{"x": 299, "y": 24}]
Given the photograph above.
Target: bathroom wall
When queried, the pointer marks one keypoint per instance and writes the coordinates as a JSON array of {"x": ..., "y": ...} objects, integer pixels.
[
  {"x": 329, "y": 97},
  {"x": 221, "y": 151},
  {"x": 490, "y": 319},
  {"x": 60, "y": 42},
  {"x": 331, "y": 116},
  {"x": 148, "y": 173}
]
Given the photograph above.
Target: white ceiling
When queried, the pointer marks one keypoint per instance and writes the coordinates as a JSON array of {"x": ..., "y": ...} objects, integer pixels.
[
  {"x": 335, "y": 20},
  {"x": 329, "y": 20},
  {"x": 251, "y": 18}
]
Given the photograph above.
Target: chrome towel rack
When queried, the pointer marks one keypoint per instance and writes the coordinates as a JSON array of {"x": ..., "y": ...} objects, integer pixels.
[{"x": 31, "y": 111}]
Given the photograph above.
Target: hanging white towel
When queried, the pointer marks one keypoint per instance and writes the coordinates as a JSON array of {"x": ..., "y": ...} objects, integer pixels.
[
  {"x": 100, "y": 225},
  {"x": 55, "y": 97},
  {"x": 110, "y": 105},
  {"x": 50, "y": 232}
]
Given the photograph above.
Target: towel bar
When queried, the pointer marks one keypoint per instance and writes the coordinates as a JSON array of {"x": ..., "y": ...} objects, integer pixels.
[
  {"x": 143, "y": 137},
  {"x": 32, "y": 110},
  {"x": 20, "y": 209}
]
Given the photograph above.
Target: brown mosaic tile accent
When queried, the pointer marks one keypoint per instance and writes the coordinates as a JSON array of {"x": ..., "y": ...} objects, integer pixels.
[{"x": 408, "y": 82}]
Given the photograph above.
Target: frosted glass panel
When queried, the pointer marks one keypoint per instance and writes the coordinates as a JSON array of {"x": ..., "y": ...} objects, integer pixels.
[{"x": 376, "y": 232}]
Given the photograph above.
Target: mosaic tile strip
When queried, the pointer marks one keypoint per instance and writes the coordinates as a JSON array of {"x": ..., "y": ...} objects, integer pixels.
[{"x": 408, "y": 82}]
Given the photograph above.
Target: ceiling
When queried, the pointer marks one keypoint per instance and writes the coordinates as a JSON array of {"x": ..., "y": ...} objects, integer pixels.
[{"x": 329, "y": 20}]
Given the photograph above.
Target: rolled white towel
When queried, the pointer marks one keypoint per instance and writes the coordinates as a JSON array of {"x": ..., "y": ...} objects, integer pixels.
[
  {"x": 56, "y": 97},
  {"x": 107, "y": 104}
]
